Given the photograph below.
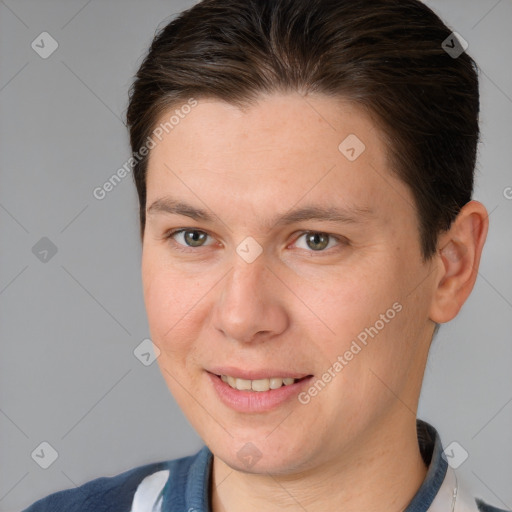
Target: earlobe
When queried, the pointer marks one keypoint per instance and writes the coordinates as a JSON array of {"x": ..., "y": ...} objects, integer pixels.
[{"x": 459, "y": 252}]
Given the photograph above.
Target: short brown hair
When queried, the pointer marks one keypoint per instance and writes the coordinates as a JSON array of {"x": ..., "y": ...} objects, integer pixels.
[{"x": 384, "y": 55}]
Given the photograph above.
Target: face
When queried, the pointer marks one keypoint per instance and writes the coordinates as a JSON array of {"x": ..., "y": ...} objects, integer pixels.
[{"x": 276, "y": 247}]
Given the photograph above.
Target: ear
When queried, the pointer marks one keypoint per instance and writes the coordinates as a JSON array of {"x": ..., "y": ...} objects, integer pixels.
[{"x": 458, "y": 254}]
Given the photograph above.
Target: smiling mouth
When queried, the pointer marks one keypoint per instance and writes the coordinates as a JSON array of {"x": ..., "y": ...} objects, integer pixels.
[{"x": 259, "y": 385}]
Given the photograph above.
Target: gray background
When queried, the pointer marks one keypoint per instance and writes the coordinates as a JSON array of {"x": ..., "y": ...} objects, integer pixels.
[{"x": 69, "y": 326}]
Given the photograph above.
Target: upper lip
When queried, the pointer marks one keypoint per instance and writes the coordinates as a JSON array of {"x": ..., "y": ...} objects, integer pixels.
[{"x": 255, "y": 374}]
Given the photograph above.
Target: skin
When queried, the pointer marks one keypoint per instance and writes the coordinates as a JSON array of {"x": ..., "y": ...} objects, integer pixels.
[{"x": 354, "y": 444}]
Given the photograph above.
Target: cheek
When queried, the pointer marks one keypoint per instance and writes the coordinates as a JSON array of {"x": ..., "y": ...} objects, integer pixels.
[
  {"x": 169, "y": 299},
  {"x": 353, "y": 298},
  {"x": 365, "y": 312}
]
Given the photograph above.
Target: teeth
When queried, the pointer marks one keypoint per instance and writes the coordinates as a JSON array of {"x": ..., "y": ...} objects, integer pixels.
[
  {"x": 275, "y": 383},
  {"x": 257, "y": 385},
  {"x": 243, "y": 384},
  {"x": 260, "y": 385}
]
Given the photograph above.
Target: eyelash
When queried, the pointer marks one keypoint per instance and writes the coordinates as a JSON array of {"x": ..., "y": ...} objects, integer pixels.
[{"x": 188, "y": 249}]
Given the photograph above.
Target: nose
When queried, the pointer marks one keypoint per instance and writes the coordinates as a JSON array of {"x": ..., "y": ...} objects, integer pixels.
[{"x": 250, "y": 306}]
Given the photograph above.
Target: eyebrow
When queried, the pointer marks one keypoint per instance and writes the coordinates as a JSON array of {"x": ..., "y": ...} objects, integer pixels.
[{"x": 353, "y": 215}]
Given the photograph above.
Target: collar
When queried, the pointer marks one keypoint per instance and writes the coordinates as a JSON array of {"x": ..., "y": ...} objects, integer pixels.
[
  {"x": 441, "y": 491},
  {"x": 431, "y": 451}
]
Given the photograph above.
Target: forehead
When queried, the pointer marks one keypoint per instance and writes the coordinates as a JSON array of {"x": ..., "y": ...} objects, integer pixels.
[
  {"x": 291, "y": 125},
  {"x": 282, "y": 150}
]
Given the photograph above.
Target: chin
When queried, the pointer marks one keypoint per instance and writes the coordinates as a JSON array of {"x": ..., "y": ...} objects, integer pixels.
[{"x": 262, "y": 456}]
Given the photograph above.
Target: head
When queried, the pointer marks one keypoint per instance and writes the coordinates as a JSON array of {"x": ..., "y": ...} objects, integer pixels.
[{"x": 242, "y": 114}]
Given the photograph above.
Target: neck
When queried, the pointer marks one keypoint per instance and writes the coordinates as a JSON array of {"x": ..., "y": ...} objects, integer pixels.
[{"x": 383, "y": 472}]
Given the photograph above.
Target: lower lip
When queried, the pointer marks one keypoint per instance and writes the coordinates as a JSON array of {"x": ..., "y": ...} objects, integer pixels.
[{"x": 255, "y": 401}]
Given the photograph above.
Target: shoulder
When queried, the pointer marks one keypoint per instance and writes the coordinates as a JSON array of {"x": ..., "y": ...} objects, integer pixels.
[
  {"x": 484, "y": 507},
  {"x": 98, "y": 495},
  {"x": 106, "y": 493}
]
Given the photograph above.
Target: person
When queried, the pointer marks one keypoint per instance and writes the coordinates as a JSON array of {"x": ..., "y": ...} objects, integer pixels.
[{"x": 305, "y": 176}]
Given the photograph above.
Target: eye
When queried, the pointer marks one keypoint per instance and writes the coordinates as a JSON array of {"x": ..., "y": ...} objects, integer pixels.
[
  {"x": 317, "y": 241},
  {"x": 191, "y": 237}
]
